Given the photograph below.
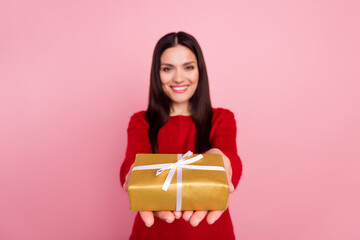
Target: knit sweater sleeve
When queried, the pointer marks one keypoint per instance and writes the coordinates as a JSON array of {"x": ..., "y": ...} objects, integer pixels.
[
  {"x": 223, "y": 137},
  {"x": 138, "y": 142}
]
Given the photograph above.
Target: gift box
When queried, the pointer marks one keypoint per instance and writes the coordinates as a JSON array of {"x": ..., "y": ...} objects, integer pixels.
[{"x": 169, "y": 182}]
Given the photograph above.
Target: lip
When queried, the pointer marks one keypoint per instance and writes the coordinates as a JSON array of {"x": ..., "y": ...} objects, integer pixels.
[{"x": 180, "y": 88}]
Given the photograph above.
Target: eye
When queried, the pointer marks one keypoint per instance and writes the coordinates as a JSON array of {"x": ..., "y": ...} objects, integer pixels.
[
  {"x": 190, "y": 67},
  {"x": 166, "y": 69}
]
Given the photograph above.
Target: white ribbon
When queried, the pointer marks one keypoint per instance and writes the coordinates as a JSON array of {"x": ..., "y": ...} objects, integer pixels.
[{"x": 178, "y": 166}]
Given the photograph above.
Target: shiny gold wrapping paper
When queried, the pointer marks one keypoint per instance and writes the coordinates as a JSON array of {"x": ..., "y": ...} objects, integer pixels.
[{"x": 201, "y": 189}]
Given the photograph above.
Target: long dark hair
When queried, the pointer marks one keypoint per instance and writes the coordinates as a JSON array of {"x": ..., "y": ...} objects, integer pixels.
[{"x": 158, "y": 110}]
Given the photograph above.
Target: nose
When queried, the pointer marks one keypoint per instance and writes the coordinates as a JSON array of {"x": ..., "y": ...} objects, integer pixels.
[{"x": 179, "y": 77}]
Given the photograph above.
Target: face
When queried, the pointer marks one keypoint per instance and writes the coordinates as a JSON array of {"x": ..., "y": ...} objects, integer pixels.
[{"x": 179, "y": 74}]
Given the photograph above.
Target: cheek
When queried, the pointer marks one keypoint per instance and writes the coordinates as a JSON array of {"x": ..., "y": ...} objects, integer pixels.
[
  {"x": 195, "y": 78},
  {"x": 164, "y": 79},
  {"x": 195, "y": 86}
]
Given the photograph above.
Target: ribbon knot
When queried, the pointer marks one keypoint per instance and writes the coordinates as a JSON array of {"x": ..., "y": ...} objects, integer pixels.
[
  {"x": 180, "y": 162},
  {"x": 167, "y": 167},
  {"x": 176, "y": 166}
]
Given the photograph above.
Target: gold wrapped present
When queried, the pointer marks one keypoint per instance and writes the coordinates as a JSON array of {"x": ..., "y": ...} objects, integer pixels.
[{"x": 169, "y": 182}]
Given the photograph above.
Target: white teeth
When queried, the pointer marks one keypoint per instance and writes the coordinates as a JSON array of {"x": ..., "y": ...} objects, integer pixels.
[{"x": 180, "y": 88}]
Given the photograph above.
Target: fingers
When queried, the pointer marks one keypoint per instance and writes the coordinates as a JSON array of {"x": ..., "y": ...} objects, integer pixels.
[
  {"x": 187, "y": 215},
  {"x": 147, "y": 217},
  {"x": 167, "y": 216},
  {"x": 177, "y": 214},
  {"x": 194, "y": 217},
  {"x": 213, "y": 216},
  {"x": 197, "y": 217}
]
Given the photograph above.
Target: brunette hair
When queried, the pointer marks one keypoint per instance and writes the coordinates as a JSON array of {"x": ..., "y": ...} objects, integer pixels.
[{"x": 159, "y": 103}]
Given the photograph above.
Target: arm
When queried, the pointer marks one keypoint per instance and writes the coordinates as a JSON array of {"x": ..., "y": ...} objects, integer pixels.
[
  {"x": 223, "y": 141},
  {"x": 138, "y": 142},
  {"x": 223, "y": 138}
]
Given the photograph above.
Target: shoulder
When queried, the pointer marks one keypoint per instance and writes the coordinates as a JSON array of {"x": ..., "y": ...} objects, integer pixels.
[
  {"x": 223, "y": 121},
  {"x": 220, "y": 114},
  {"x": 138, "y": 119},
  {"x": 140, "y": 114}
]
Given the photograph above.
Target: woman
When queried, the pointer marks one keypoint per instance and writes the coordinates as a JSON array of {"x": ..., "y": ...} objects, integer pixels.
[{"x": 179, "y": 118}]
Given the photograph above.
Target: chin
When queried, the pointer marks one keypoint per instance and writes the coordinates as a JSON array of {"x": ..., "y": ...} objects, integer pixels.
[{"x": 178, "y": 101}]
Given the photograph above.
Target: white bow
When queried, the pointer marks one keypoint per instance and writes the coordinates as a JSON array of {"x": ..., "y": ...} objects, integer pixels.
[{"x": 173, "y": 166}]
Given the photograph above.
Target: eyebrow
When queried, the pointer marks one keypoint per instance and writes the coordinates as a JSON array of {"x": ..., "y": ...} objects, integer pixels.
[{"x": 187, "y": 63}]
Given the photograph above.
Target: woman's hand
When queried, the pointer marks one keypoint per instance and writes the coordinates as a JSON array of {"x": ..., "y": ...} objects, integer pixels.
[
  {"x": 227, "y": 166},
  {"x": 167, "y": 216},
  {"x": 211, "y": 216},
  {"x": 148, "y": 216}
]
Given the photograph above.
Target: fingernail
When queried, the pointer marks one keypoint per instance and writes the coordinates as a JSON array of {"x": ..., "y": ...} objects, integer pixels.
[
  {"x": 211, "y": 221},
  {"x": 168, "y": 220},
  {"x": 195, "y": 224},
  {"x": 231, "y": 186},
  {"x": 177, "y": 215},
  {"x": 148, "y": 224}
]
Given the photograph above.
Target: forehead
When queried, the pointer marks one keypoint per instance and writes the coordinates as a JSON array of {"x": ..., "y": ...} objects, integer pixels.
[{"x": 177, "y": 55}]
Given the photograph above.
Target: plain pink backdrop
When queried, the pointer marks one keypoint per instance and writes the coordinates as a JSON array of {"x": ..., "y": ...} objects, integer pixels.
[{"x": 73, "y": 72}]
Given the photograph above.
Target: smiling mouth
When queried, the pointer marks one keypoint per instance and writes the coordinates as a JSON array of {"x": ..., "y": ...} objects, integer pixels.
[{"x": 179, "y": 89}]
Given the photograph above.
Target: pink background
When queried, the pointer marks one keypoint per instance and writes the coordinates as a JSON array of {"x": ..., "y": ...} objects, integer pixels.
[{"x": 73, "y": 72}]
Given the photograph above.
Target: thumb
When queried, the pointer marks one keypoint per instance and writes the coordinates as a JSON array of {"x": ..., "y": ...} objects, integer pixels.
[
  {"x": 127, "y": 179},
  {"x": 231, "y": 187}
]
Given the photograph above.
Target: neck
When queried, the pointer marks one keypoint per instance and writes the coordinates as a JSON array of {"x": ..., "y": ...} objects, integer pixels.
[{"x": 180, "y": 109}]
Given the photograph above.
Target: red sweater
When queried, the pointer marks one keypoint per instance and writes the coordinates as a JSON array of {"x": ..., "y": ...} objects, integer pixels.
[{"x": 178, "y": 136}]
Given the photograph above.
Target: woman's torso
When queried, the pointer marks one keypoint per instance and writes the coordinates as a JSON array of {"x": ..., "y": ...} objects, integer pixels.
[{"x": 178, "y": 136}]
